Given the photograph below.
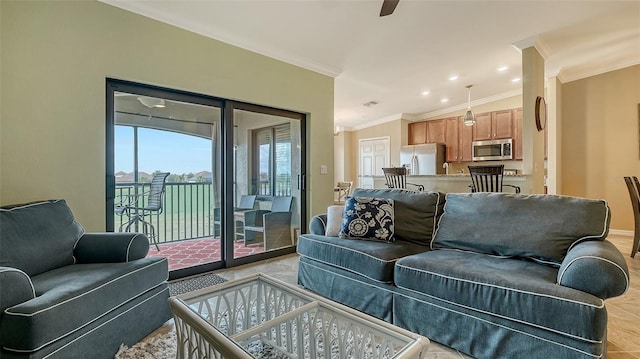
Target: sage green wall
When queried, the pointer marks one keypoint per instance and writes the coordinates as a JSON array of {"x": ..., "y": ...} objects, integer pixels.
[{"x": 55, "y": 57}]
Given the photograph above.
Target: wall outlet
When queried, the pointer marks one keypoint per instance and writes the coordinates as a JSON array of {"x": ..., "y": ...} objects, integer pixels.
[{"x": 323, "y": 169}]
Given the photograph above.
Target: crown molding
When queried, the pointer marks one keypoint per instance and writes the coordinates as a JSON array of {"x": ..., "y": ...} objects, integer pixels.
[
  {"x": 142, "y": 9},
  {"x": 535, "y": 41},
  {"x": 395, "y": 117},
  {"x": 412, "y": 117},
  {"x": 464, "y": 106},
  {"x": 568, "y": 76}
]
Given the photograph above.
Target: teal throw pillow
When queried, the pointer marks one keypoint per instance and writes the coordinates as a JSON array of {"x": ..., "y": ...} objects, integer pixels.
[{"x": 368, "y": 218}]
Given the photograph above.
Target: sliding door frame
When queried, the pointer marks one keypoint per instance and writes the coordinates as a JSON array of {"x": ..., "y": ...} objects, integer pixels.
[
  {"x": 227, "y": 186},
  {"x": 226, "y": 165}
]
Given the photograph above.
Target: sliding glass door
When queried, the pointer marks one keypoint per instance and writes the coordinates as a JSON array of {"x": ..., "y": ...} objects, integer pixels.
[
  {"x": 212, "y": 183},
  {"x": 267, "y": 163}
]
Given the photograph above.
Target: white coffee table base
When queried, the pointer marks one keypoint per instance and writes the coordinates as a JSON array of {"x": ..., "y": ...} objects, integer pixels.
[{"x": 261, "y": 317}]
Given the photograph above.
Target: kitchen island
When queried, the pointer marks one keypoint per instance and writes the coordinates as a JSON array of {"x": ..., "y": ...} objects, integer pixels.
[{"x": 448, "y": 183}]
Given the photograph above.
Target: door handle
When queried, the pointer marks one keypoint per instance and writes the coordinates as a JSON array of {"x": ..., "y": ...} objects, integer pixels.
[{"x": 301, "y": 182}]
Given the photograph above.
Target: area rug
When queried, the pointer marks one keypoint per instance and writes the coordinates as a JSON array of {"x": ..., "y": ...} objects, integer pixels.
[
  {"x": 194, "y": 283},
  {"x": 161, "y": 346}
]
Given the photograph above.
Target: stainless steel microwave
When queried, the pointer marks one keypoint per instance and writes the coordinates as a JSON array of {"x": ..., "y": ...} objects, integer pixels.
[{"x": 492, "y": 150}]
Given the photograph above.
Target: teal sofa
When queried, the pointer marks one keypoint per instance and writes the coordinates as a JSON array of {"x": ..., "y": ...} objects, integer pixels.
[
  {"x": 67, "y": 294},
  {"x": 492, "y": 275}
]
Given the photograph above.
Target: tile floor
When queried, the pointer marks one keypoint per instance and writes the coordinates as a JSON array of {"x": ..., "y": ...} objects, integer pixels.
[
  {"x": 187, "y": 253},
  {"x": 624, "y": 316}
]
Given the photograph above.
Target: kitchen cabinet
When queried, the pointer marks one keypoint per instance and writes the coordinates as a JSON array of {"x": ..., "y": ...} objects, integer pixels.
[
  {"x": 452, "y": 139},
  {"x": 493, "y": 126},
  {"x": 465, "y": 151},
  {"x": 502, "y": 124},
  {"x": 436, "y": 131},
  {"x": 458, "y": 140},
  {"x": 417, "y": 133},
  {"x": 517, "y": 134},
  {"x": 482, "y": 127}
]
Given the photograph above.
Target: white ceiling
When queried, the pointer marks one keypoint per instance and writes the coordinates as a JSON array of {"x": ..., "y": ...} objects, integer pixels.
[{"x": 392, "y": 59}]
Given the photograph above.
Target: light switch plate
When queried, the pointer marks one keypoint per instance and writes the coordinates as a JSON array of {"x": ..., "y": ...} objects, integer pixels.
[{"x": 323, "y": 169}]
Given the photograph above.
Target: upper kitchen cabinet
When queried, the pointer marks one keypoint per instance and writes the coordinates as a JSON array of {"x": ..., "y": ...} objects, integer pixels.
[
  {"x": 493, "y": 125},
  {"x": 452, "y": 139},
  {"x": 482, "y": 128},
  {"x": 436, "y": 131},
  {"x": 465, "y": 150},
  {"x": 458, "y": 140},
  {"x": 502, "y": 124},
  {"x": 417, "y": 133}
]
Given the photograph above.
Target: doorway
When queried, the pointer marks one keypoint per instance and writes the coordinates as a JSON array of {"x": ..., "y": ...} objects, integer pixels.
[
  {"x": 374, "y": 155},
  {"x": 219, "y": 154}
]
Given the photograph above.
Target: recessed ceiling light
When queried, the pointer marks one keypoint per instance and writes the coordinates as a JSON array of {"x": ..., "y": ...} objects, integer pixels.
[
  {"x": 453, "y": 77},
  {"x": 425, "y": 93},
  {"x": 503, "y": 68},
  {"x": 444, "y": 100},
  {"x": 517, "y": 79}
]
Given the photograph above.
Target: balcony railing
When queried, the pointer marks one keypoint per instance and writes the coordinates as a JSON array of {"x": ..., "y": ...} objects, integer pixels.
[
  {"x": 187, "y": 210},
  {"x": 282, "y": 187}
]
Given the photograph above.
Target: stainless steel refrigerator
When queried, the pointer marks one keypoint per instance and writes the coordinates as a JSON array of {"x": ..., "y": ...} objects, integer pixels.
[{"x": 427, "y": 159}]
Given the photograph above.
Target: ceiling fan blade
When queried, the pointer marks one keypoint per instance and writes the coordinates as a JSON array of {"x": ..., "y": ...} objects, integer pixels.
[{"x": 388, "y": 6}]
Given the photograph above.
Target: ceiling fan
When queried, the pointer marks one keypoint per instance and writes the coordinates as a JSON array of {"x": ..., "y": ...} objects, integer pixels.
[{"x": 388, "y": 6}]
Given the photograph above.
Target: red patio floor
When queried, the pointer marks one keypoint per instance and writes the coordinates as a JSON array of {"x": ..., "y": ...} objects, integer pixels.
[{"x": 192, "y": 252}]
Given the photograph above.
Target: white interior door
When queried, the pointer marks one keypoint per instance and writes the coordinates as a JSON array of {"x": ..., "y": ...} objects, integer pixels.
[{"x": 374, "y": 154}]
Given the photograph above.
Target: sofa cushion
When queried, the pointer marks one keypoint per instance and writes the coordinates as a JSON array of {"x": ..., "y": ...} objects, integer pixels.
[
  {"x": 415, "y": 212},
  {"x": 335, "y": 214},
  {"x": 539, "y": 227},
  {"x": 513, "y": 289},
  {"x": 372, "y": 259},
  {"x": 73, "y": 296},
  {"x": 41, "y": 236},
  {"x": 368, "y": 218}
]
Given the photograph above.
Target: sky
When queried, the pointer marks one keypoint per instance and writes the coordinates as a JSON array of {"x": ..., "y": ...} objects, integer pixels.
[{"x": 161, "y": 151}]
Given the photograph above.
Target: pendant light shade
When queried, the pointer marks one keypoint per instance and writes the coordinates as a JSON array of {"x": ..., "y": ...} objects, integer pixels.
[{"x": 469, "y": 118}]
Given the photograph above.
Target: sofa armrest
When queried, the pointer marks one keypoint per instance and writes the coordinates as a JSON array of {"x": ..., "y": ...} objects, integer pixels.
[
  {"x": 595, "y": 267},
  {"x": 16, "y": 287},
  {"x": 318, "y": 224},
  {"x": 111, "y": 247}
]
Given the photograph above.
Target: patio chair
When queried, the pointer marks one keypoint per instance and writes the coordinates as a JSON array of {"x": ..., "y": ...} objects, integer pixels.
[
  {"x": 140, "y": 207},
  {"x": 247, "y": 202},
  {"x": 396, "y": 177},
  {"x": 274, "y": 224},
  {"x": 488, "y": 179}
]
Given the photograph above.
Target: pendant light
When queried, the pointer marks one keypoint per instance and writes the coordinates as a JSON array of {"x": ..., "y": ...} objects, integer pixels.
[{"x": 469, "y": 118}]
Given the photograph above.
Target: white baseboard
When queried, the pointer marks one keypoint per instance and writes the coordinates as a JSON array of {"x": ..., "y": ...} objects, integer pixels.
[{"x": 621, "y": 232}]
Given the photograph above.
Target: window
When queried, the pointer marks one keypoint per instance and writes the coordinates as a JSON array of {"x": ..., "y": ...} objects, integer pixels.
[{"x": 272, "y": 160}]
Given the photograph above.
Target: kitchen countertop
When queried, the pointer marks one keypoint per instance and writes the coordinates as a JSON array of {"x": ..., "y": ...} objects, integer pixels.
[
  {"x": 455, "y": 182},
  {"x": 451, "y": 175}
]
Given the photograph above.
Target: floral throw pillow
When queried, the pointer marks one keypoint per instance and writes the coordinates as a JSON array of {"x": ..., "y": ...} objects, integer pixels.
[{"x": 368, "y": 218}]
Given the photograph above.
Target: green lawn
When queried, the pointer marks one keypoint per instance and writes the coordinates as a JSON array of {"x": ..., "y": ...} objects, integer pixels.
[{"x": 187, "y": 213}]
